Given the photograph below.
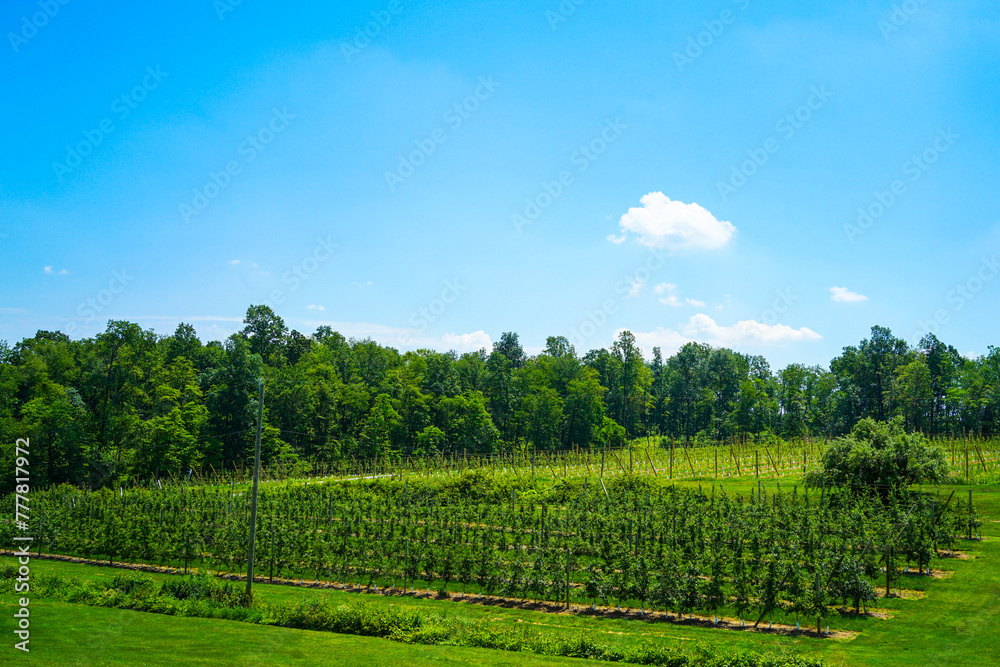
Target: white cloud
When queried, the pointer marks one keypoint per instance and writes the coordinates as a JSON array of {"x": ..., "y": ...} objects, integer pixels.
[
  {"x": 745, "y": 332},
  {"x": 398, "y": 337},
  {"x": 637, "y": 286},
  {"x": 726, "y": 300},
  {"x": 672, "y": 299},
  {"x": 617, "y": 240},
  {"x": 663, "y": 287},
  {"x": 703, "y": 329},
  {"x": 671, "y": 289},
  {"x": 663, "y": 223},
  {"x": 234, "y": 262},
  {"x": 469, "y": 342},
  {"x": 845, "y": 295},
  {"x": 185, "y": 318},
  {"x": 313, "y": 306},
  {"x": 47, "y": 269},
  {"x": 215, "y": 332},
  {"x": 667, "y": 339}
]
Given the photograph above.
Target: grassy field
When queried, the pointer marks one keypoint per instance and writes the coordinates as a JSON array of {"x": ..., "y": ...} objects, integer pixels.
[
  {"x": 65, "y": 635},
  {"x": 957, "y": 622}
]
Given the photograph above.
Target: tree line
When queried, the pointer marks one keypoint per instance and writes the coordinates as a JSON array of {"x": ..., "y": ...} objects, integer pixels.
[{"x": 129, "y": 403}]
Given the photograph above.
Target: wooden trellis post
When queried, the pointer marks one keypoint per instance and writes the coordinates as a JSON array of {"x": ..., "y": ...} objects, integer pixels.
[
  {"x": 650, "y": 462},
  {"x": 981, "y": 459},
  {"x": 970, "y": 514}
]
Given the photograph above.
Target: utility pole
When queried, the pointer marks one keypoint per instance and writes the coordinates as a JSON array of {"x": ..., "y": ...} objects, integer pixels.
[{"x": 256, "y": 478}]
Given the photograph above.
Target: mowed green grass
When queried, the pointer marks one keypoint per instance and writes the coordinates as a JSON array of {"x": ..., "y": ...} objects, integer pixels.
[
  {"x": 66, "y": 634},
  {"x": 957, "y": 623}
]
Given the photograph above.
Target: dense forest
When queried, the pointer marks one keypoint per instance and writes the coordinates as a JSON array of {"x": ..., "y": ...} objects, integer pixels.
[{"x": 129, "y": 403}]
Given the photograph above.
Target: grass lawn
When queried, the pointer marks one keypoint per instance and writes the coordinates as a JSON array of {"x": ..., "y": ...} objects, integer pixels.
[{"x": 66, "y": 634}]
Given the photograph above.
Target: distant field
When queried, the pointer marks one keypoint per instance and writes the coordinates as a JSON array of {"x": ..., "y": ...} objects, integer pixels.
[{"x": 972, "y": 459}]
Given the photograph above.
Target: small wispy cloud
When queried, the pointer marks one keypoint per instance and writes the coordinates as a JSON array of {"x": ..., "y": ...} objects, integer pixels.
[
  {"x": 237, "y": 262},
  {"x": 637, "y": 286},
  {"x": 845, "y": 295},
  {"x": 617, "y": 240},
  {"x": 314, "y": 306},
  {"x": 663, "y": 287},
  {"x": 51, "y": 271},
  {"x": 672, "y": 296}
]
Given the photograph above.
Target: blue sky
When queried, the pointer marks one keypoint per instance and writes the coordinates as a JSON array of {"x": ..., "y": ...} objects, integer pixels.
[{"x": 688, "y": 171}]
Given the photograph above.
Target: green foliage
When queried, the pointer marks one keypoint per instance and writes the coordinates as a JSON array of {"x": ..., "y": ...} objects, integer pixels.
[
  {"x": 204, "y": 587},
  {"x": 373, "y": 620},
  {"x": 881, "y": 455},
  {"x": 130, "y": 405},
  {"x": 134, "y": 584},
  {"x": 631, "y": 540},
  {"x": 630, "y": 485},
  {"x": 612, "y": 433},
  {"x": 430, "y": 441}
]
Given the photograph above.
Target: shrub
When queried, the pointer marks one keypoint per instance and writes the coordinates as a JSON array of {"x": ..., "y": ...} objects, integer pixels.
[
  {"x": 204, "y": 587},
  {"x": 626, "y": 486},
  {"x": 612, "y": 433},
  {"x": 363, "y": 619},
  {"x": 881, "y": 455},
  {"x": 136, "y": 585},
  {"x": 470, "y": 484}
]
